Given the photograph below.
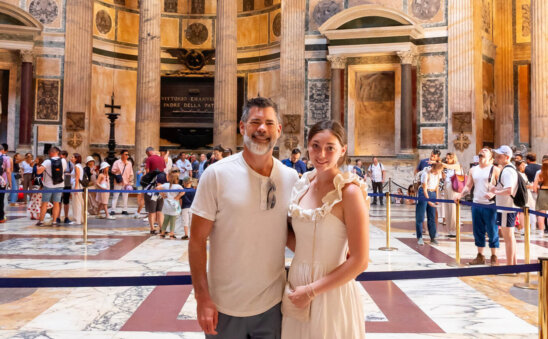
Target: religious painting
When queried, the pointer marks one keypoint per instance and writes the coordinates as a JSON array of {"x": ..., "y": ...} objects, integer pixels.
[
  {"x": 103, "y": 22},
  {"x": 291, "y": 123},
  {"x": 197, "y": 7},
  {"x": 425, "y": 9},
  {"x": 462, "y": 122},
  {"x": 433, "y": 100},
  {"x": 522, "y": 11},
  {"x": 277, "y": 25},
  {"x": 249, "y": 5},
  {"x": 322, "y": 11},
  {"x": 75, "y": 121},
  {"x": 47, "y": 100},
  {"x": 196, "y": 33},
  {"x": 170, "y": 6},
  {"x": 45, "y": 11},
  {"x": 318, "y": 101},
  {"x": 375, "y": 112}
]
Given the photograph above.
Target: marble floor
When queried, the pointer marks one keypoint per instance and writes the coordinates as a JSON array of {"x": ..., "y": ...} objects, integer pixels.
[{"x": 470, "y": 307}]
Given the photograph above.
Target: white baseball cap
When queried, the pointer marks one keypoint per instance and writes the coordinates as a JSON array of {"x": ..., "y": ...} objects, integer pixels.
[{"x": 506, "y": 150}]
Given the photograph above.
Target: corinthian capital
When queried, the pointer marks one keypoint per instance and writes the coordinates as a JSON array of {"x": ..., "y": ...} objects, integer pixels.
[
  {"x": 27, "y": 56},
  {"x": 408, "y": 57},
  {"x": 337, "y": 61}
]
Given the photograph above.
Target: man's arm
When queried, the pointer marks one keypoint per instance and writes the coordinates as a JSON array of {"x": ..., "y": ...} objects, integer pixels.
[{"x": 197, "y": 256}]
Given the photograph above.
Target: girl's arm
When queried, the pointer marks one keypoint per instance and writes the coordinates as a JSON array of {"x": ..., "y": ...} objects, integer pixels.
[
  {"x": 356, "y": 218},
  {"x": 77, "y": 177}
]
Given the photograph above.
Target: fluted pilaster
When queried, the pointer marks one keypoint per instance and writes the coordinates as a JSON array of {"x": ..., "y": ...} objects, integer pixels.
[
  {"x": 78, "y": 61},
  {"x": 539, "y": 77},
  {"x": 226, "y": 60},
  {"x": 147, "y": 119},
  {"x": 504, "y": 84},
  {"x": 338, "y": 63},
  {"x": 292, "y": 64},
  {"x": 461, "y": 65}
]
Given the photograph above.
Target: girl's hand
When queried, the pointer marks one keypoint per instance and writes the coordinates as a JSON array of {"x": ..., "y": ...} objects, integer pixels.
[{"x": 301, "y": 296}]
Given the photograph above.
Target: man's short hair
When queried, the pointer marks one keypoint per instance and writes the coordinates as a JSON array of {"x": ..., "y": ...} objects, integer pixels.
[
  {"x": 64, "y": 153},
  {"x": 259, "y": 102},
  {"x": 436, "y": 151},
  {"x": 219, "y": 148},
  {"x": 5, "y": 146},
  {"x": 124, "y": 151},
  {"x": 54, "y": 149},
  {"x": 531, "y": 157},
  {"x": 149, "y": 149},
  {"x": 296, "y": 151}
]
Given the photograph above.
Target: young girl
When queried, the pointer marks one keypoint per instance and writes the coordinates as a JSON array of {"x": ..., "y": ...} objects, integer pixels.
[
  {"x": 188, "y": 198},
  {"x": 330, "y": 218},
  {"x": 103, "y": 183},
  {"x": 172, "y": 207},
  {"x": 77, "y": 200}
]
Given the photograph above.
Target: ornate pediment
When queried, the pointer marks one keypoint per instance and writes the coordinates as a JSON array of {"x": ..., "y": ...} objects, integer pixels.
[{"x": 18, "y": 29}]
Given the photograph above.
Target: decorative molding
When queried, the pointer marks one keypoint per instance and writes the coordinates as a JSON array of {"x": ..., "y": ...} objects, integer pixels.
[
  {"x": 409, "y": 57},
  {"x": 27, "y": 55},
  {"x": 462, "y": 142},
  {"x": 337, "y": 61}
]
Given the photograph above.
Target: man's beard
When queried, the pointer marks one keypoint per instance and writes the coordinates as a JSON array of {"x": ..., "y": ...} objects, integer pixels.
[{"x": 256, "y": 148}]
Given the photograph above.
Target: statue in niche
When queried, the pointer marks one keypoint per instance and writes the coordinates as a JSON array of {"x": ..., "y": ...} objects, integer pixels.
[
  {"x": 324, "y": 10},
  {"x": 425, "y": 9},
  {"x": 45, "y": 11},
  {"x": 197, "y": 7}
]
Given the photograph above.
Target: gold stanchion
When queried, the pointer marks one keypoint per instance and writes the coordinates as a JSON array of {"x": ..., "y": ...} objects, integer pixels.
[
  {"x": 85, "y": 240},
  {"x": 543, "y": 299},
  {"x": 388, "y": 222},
  {"x": 457, "y": 239},
  {"x": 527, "y": 244}
]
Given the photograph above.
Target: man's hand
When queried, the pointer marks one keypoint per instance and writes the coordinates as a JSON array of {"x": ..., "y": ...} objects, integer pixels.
[{"x": 208, "y": 316}]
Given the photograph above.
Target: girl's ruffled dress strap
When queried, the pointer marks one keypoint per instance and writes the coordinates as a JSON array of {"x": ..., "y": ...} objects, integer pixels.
[{"x": 329, "y": 200}]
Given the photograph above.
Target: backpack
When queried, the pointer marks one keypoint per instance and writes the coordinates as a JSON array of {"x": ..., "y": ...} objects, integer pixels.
[
  {"x": 57, "y": 175},
  {"x": 520, "y": 199},
  {"x": 149, "y": 178}
]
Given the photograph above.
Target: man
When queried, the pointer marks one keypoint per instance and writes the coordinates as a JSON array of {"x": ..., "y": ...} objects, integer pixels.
[
  {"x": 53, "y": 179},
  {"x": 241, "y": 205},
  {"x": 123, "y": 177},
  {"x": 184, "y": 166},
  {"x": 294, "y": 162},
  {"x": 154, "y": 162},
  {"x": 66, "y": 195},
  {"x": 202, "y": 166},
  {"x": 484, "y": 220},
  {"x": 518, "y": 157},
  {"x": 195, "y": 164},
  {"x": 506, "y": 187},
  {"x": 434, "y": 157},
  {"x": 358, "y": 169},
  {"x": 377, "y": 174},
  {"x": 5, "y": 179},
  {"x": 532, "y": 166}
]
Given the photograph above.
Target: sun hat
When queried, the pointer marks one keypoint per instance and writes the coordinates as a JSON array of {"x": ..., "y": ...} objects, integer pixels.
[
  {"x": 104, "y": 165},
  {"x": 90, "y": 158}
]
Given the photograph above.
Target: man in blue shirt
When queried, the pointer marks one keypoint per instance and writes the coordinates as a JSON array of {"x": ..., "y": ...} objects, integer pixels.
[
  {"x": 295, "y": 163},
  {"x": 434, "y": 157}
]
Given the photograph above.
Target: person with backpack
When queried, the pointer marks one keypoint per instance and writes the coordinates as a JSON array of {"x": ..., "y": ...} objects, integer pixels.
[
  {"x": 65, "y": 199},
  {"x": 510, "y": 192},
  {"x": 5, "y": 179},
  {"x": 484, "y": 219},
  {"x": 53, "y": 180}
]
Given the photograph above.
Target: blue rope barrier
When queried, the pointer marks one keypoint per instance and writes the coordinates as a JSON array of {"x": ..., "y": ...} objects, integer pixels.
[
  {"x": 376, "y": 194},
  {"x": 186, "y": 279},
  {"x": 492, "y": 206}
]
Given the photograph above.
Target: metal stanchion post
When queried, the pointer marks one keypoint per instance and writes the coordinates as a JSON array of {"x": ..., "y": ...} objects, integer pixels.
[
  {"x": 388, "y": 222},
  {"x": 390, "y": 185},
  {"x": 527, "y": 244},
  {"x": 543, "y": 299},
  {"x": 85, "y": 240},
  {"x": 457, "y": 239}
]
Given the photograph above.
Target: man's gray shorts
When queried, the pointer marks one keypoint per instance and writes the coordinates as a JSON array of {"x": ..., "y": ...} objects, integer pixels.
[{"x": 267, "y": 325}]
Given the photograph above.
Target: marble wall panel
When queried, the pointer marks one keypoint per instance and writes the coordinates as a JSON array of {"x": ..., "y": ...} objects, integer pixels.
[
  {"x": 197, "y": 33},
  {"x": 396, "y": 4},
  {"x": 125, "y": 89},
  {"x": 427, "y": 11},
  {"x": 321, "y": 10},
  {"x": 275, "y": 25},
  {"x": 49, "y": 12},
  {"x": 488, "y": 85},
  {"x": 432, "y": 64},
  {"x": 170, "y": 32},
  {"x": 48, "y": 66},
  {"x": 103, "y": 21},
  {"x": 319, "y": 70},
  {"x": 524, "y": 102},
  {"x": 522, "y": 19},
  {"x": 128, "y": 27},
  {"x": 48, "y": 134},
  {"x": 432, "y": 100},
  {"x": 432, "y": 136},
  {"x": 319, "y": 105},
  {"x": 266, "y": 83},
  {"x": 252, "y": 30},
  {"x": 48, "y": 96}
]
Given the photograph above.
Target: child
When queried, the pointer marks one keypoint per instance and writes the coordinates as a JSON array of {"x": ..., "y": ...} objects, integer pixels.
[
  {"x": 188, "y": 198},
  {"x": 171, "y": 208},
  {"x": 104, "y": 184}
]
